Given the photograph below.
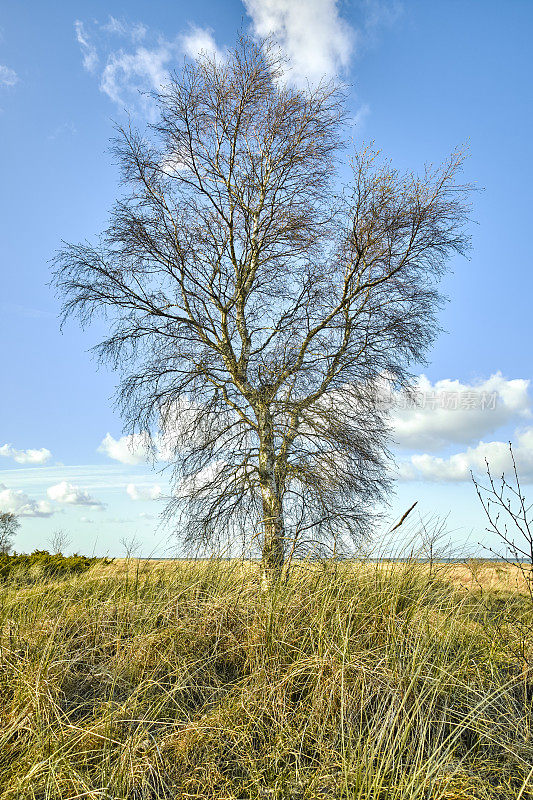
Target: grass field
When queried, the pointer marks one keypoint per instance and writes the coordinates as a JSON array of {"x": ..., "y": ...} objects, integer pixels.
[{"x": 182, "y": 680}]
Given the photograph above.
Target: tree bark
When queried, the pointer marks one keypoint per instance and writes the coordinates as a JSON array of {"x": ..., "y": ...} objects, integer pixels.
[
  {"x": 273, "y": 540},
  {"x": 273, "y": 550}
]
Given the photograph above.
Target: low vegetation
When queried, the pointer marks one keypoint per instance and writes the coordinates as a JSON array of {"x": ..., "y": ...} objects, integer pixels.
[
  {"x": 182, "y": 680},
  {"x": 24, "y": 568}
]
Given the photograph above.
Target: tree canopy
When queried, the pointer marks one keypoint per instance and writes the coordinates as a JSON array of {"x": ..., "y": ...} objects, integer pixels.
[{"x": 258, "y": 301}]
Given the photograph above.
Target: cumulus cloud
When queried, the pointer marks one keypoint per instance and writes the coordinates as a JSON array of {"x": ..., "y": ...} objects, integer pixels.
[
  {"x": 8, "y": 77},
  {"x": 130, "y": 59},
  {"x": 313, "y": 35},
  {"x": 18, "y": 502},
  {"x": 131, "y": 449},
  {"x": 448, "y": 411},
  {"x": 181, "y": 425},
  {"x": 214, "y": 477},
  {"x": 198, "y": 41},
  {"x": 65, "y": 492},
  {"x": 137, "y": 492},
  {"x": 30, "y": 456},
  {"x": 457, "y": 467}
]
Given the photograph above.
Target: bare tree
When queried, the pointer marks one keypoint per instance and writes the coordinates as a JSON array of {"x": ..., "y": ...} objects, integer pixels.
[
  {"x": 9, "y": 525},
  {"x": 131, "y": 546},
  {"x": 509, "y": 517},
  {"x": 59, "y": 541},
  {"x": 257, "y": 307}
]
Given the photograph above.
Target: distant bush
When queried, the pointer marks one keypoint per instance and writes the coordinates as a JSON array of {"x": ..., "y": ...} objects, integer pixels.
[{"x": 29, "y": 567}]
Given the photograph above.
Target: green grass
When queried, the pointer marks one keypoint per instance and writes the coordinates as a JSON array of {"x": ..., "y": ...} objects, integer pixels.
[{"x": 183, "y": 680}]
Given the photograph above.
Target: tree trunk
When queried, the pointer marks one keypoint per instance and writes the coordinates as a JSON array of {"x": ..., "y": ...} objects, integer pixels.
[
  {"x": 273, "y": 551},
  {"x": 273, "y": 540}
]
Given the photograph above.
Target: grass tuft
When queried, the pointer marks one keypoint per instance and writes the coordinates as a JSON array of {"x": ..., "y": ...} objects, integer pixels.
[{"x": 360, "y": 681}]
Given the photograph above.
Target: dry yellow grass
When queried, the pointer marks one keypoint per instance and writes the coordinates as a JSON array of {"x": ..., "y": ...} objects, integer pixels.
[
  {"x": 356, "y": 681},
  {"x": 474, "y": 574}
]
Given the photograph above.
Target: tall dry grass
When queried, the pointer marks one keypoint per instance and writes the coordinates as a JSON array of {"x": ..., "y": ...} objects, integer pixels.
[{"x": 359, "y": 681}]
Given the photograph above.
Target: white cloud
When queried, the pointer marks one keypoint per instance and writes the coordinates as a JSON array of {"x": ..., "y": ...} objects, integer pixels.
[
  {"x": 25, "y": 311},
  {"x": 143, "y": 492},
  {"x": 136, "y": 31},
  {"x": 313, "y": 35},
  {"x": 380, "y": 13},
  {"x": 181, "y": 424},
  {"x": 317, "y": 41},
  {"x": 127, "y": 75},
  {"x": 211, "y": 479},
  {"x": 65, "y": 492},
  {"x": 201, "y": 483},
  {"x": 65, "y": 129},
  {"x": 198, "y": 41},
  {"x": 457, "y": 467},
  {"x": 449, "y": 411},
  {"x": 360, "y": 117},
  {"x": 89, "y": 53},
  {"x": 8, "y": 77},
  {"x": 31, "y": 456},
  {"x": 131, "y": 449},
  {"x": 17, "y": 502},
  {"x": 180, "y": 421}
]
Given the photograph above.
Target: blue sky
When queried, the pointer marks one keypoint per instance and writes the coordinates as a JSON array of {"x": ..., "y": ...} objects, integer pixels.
[{"x": 423, "y": 78}]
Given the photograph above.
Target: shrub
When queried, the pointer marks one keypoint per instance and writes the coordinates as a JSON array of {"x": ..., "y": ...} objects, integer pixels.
[{"x": 32, "y": 567}]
